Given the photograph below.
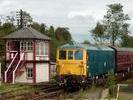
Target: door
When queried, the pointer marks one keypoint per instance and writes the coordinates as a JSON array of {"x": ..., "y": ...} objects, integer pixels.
[{"x": 14, "y": 48}]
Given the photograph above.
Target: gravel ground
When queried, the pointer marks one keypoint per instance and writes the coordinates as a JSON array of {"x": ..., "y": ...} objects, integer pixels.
[{"x": 89, "y": 94}]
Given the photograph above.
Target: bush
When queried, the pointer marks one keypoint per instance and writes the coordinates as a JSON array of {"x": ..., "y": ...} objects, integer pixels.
[{"x": 110, "y": 80}]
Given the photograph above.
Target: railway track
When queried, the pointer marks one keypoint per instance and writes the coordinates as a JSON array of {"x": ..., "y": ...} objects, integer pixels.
[
  {"x": 39, "y": 92},
  {"x": 48, "y": 91}
]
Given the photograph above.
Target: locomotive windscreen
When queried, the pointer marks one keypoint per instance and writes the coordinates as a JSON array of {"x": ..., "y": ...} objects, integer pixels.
[
  {"x": 62, "y": 54},
  {"x": 71, "y": 54},
  {"x": 78, "y": 55}
]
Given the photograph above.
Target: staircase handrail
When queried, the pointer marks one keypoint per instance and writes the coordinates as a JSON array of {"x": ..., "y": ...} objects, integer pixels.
[
  {"x": 22, "y": 57},
  {"x": 10, "y": 66}
]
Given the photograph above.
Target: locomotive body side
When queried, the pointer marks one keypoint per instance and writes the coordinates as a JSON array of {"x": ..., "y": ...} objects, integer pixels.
[
  {"x": 71, "y": 66},
  {"x": 124, "y": 60},
  {"x": 101, "y": 61}
]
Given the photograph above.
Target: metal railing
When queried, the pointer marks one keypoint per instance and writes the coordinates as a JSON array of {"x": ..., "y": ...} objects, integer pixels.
[
  {"x": 10, "y": 66},
  {"x": 23, "y": 58}
]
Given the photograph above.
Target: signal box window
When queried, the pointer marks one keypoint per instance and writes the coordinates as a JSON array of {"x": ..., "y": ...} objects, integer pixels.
[
  {"x": 78, "y": 55},
  {"x": 70, "y": 55},
  {"x": 62, "y": 54},
  {"x": 29, "y": 72}
]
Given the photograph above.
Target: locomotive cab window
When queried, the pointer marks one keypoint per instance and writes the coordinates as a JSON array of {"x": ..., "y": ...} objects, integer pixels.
[
  {"x": 70, "y": 55},
  {"x": 62, "y": 54},
  {"x": 78, "y": 55}
]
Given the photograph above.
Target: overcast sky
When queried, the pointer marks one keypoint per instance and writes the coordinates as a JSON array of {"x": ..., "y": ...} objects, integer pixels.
[{"x": 80, "y": 16}]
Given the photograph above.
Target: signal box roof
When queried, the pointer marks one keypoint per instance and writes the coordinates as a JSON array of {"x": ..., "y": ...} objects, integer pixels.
[{"x": 27, "y": 33}]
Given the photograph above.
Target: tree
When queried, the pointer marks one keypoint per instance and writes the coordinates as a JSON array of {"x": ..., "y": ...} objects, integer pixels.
[
  {"x": 43, "y": 28},
  {"x": 7, "y": 28},
  {"x": 98, "y": 32},
  {"x": 86, "y": 42},
  {"x": 63, "y": 33},
  {"x": 62, "y": 36},
  {"x": 51, "y": 31},
  {"x": 115, "y": 22},
  {"x": 127, "y": 41}
]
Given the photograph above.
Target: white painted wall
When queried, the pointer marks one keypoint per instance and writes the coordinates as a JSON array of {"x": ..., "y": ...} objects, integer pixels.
[
  {"x": 42, "y": 72},
  {"x": 29, "y": 55},
  {"x": 38, "y": 58},
  {"x": 23, "y": 78}
]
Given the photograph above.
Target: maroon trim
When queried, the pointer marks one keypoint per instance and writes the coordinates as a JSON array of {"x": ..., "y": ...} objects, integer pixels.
[
  {"x": 34, "y": 63},
  {"x": 5, "y": 52},
  {"x": 49, "y": 60},
  {"x": 4, "y": 59}
]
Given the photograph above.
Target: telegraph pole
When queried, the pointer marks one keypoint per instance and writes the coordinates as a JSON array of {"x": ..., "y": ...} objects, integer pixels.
[{"x": 21, "y": 18}]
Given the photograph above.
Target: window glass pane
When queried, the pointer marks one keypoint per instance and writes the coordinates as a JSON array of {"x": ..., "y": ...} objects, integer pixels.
[
  {"x": 42, "y": 49},
  {"x": 29, "y": 72},
  {"x": 21, "y": 45},
  {"x": 62, "y": 54},
  {"x": 78, "y": 55},
  {"x": 31, "y": 46},
  {"x": 8, "y": 45},
  {"x": 46, "y": 48},
  {"x": 37, "y": 49},
  {"x": 24, "y": 45},
  {"x": 28, "y": 45},
  {"x": 70, "y": 54}
]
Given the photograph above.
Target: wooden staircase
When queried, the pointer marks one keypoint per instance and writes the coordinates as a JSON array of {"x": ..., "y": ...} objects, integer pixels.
[{"x": 14, "y": 68}]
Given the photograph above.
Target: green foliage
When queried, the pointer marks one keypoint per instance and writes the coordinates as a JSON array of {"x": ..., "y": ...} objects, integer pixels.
[
  {"x": 115, "y": 22},
  {"x": 43, "y": 28},
  {"x": 127, "y": 41},
  {"x": 113, "y": 26},
  {"x": 112, "y": 91},
  {"x": 51, "y": 32},
  {"x": 98, "y": 32},
  {"x": 110, "y": 80},
  {"x": 62, "y": 34},
  {"x": 7, "y": 28},
  {"x": 86, "y": 42}
]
